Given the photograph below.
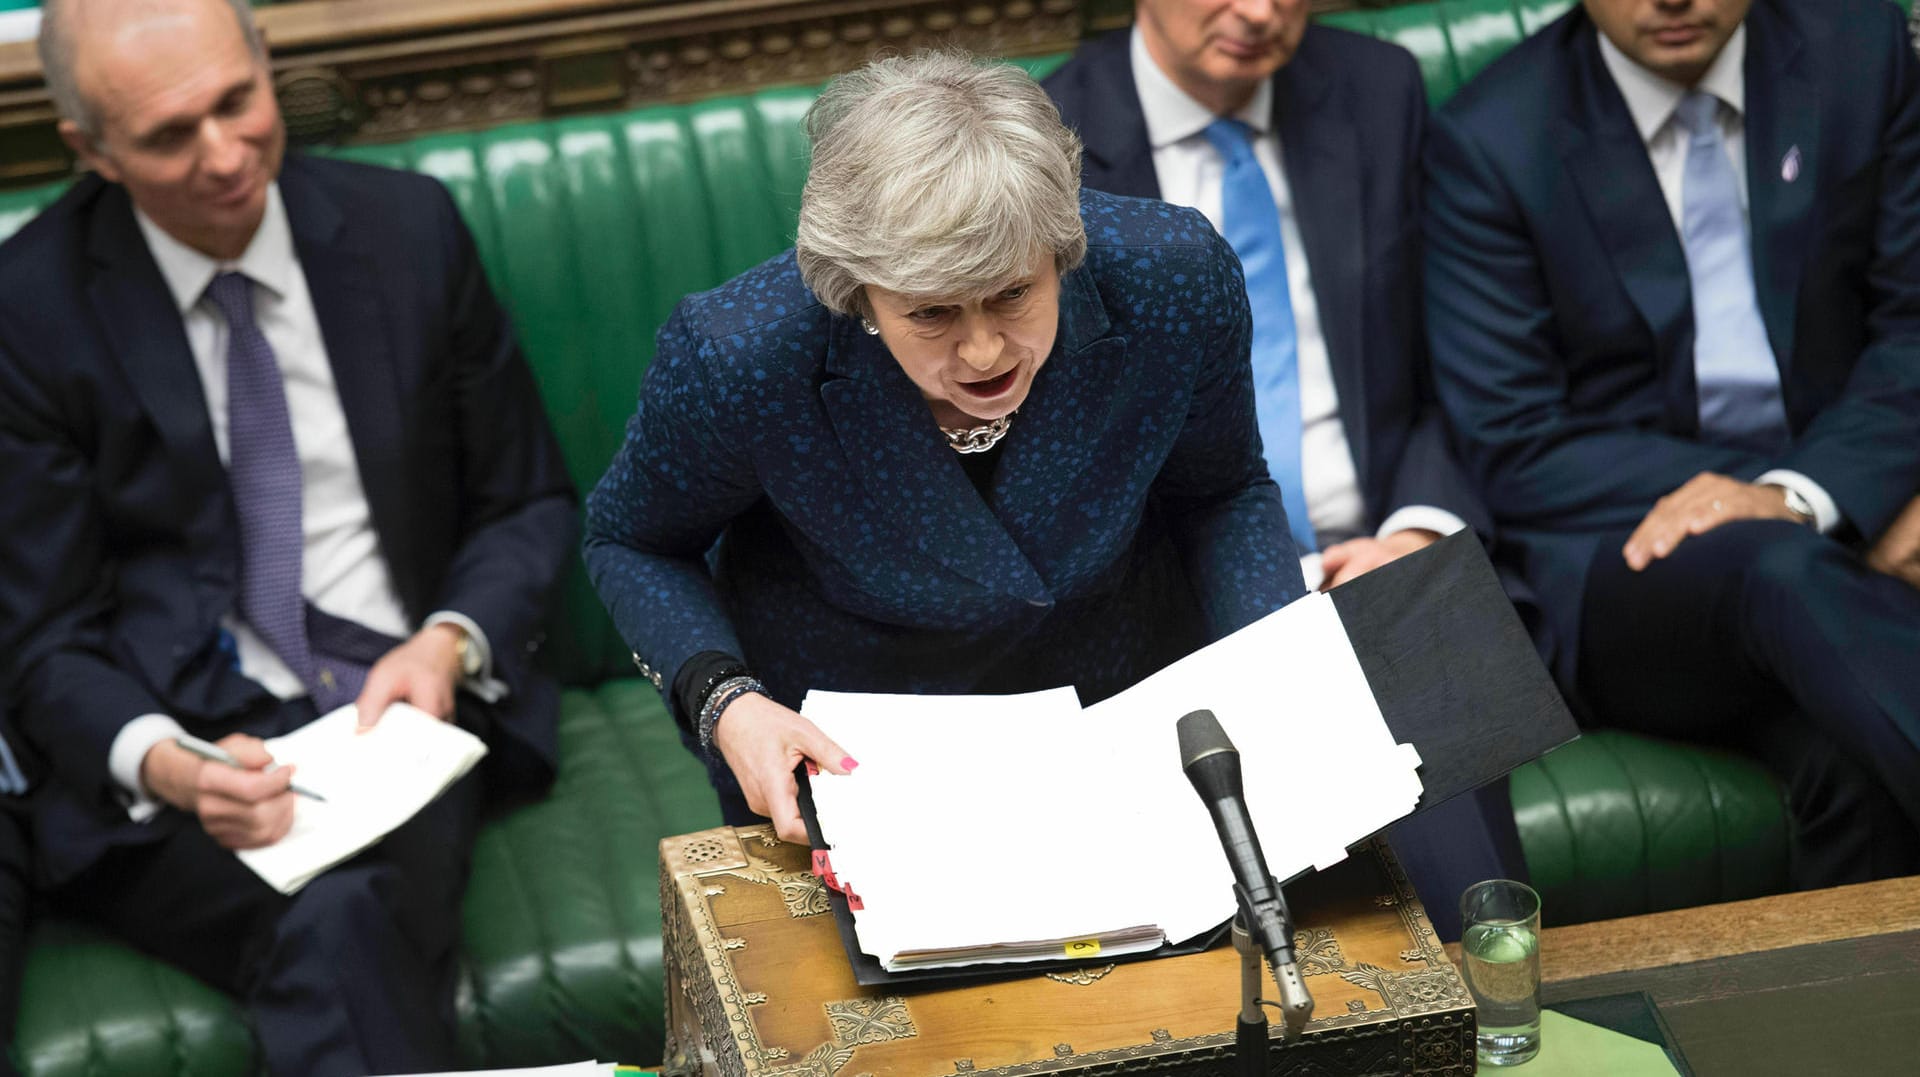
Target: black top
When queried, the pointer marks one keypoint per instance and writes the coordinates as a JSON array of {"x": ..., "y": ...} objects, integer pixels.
[{"x": 980, "y": 466}]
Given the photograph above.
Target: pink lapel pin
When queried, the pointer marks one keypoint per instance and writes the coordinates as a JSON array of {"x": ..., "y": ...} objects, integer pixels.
[{"x": 1790, "y": 165}]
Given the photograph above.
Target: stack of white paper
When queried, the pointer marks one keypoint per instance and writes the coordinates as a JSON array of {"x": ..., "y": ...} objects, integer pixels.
[
  {"x": 1015, "y": 828},
  {"x": 373, "y": 781}
]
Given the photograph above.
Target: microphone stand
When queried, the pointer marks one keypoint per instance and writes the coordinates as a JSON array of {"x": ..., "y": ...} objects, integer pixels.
[
  {"x": 1250, "y": 1032},
  {"x": 1263, "y": 923},
  {"x": 1295, "y": 1005}
]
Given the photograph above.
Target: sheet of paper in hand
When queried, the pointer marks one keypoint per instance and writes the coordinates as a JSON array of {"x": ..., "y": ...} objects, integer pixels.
[{"x": 372, "y": 781}]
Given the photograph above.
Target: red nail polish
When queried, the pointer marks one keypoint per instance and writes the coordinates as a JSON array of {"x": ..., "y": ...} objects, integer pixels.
[{"x": 847, "y": 764}]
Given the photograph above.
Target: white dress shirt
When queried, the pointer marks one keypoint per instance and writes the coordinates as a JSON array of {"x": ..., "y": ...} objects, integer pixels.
[
  {"x": 343, "y": 571},
  {"x": 1652, "y": 101},
  {"x": 1189, "y": 171}
]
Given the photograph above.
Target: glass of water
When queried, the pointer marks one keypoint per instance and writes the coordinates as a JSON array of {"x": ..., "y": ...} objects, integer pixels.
[{"x": 1500, "y": 947}]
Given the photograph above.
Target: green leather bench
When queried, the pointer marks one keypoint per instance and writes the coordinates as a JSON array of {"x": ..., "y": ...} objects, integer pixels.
[{"x": 592, "y": 228}]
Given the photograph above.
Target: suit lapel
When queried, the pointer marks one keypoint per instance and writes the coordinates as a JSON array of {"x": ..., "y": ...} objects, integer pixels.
[
  {"x": 1783, "y": 137},
  {"x": 890, "y": 441},
  {"x": 1065, "y": 419},
  {"x": 1113, "y": 128},
  {"x": 1603, "y": 153},
  {"x": 1320, "y": 151},
  {"x": 136, "y": 312},
  {"x": 343, "y": 279}
]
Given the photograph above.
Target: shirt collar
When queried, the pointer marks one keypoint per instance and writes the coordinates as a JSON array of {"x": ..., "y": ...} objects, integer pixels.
[
  {"x": 1652, "y": 99},
  {"x": 1174, "y": 116},
  {"x": 267, "y": 261}
]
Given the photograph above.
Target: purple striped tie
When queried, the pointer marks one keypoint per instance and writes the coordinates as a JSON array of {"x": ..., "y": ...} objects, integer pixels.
[{"x": 263, "y": 468}]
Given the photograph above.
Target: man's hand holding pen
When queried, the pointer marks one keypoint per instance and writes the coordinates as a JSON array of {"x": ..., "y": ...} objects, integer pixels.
[{"x": 247, "y": 805}]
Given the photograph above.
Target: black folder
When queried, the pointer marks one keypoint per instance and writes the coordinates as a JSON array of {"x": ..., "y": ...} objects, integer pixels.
[
  {"x": 1452, "y": 667},
  {"x": 1455, "y": 675}
]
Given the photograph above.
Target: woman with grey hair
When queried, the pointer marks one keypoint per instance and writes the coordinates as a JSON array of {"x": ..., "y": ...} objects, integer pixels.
[{"x": 980, "y": 431}]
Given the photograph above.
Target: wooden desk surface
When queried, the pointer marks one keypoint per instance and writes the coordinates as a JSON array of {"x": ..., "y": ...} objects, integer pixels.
[
  {"x": 1821, "y": 982},
  {"x": 1578, "y": 951}
]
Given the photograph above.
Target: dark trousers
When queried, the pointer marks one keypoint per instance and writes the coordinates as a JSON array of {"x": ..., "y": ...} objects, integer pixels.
[
  {"x": 15, "y": 903},
  {"x": 1448, "y": 848},
  {"x": 353, "y": 974},
  {"x": 1764, "y": 637}
]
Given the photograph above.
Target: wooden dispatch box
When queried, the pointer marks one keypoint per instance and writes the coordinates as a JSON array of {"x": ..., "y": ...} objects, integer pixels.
[{"x": 758, "y": 986}]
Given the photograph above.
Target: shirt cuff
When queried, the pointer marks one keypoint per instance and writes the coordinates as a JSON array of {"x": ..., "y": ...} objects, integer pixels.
[
  {"x": 1826, "y": 513},
  {"x": 12, "y": 780},
  {"x": 482, "y": 684},
  {"x": 1421, "y": 518},
  {"x": 129, "y": 750},
  {"x": 1311, "y": 572}
]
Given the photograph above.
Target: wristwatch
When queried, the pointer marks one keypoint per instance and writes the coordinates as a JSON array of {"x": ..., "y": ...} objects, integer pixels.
[
  {"x": 469, "y": 655},
  {"x": 1797, "y": 502}
]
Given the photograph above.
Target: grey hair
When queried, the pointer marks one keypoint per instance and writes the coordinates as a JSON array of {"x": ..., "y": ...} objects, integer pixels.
[
  {"x": 58, "y": 58},
  {"x": 935, "y": 175}
]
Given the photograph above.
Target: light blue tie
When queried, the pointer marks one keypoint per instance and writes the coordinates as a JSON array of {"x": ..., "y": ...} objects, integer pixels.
[
  {"x": 1252, "y": 222},
  {"x": 1734, "y": 369}
]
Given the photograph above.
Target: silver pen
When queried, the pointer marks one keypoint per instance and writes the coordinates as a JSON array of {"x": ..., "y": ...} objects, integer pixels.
[{"x": 217, "y": 754}]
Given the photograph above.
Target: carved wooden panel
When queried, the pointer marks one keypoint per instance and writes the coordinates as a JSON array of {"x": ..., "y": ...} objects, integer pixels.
[{"x": 379, "y": 70}]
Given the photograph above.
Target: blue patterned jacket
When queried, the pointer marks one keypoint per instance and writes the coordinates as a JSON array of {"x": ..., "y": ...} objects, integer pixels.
[{"x": 1130, "y": 518}]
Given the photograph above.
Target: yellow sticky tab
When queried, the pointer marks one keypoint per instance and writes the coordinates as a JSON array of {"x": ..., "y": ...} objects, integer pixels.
[{"x": 1084, "y": 948}]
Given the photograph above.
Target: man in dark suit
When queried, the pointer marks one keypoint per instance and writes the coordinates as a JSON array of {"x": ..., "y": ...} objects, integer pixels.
[
  {"x": 270, "y": 449},
  {"x": 1302, "y": 145},
  {"x": 1335, "y": 121},
  {"x": 1673, "y": 273}
]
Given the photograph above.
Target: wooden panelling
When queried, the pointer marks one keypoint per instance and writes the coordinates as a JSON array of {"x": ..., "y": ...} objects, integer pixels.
[{"x": 378, "y": 70}]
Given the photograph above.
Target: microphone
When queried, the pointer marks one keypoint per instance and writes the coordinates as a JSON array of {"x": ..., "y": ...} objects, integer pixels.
[{"x": 1213, "y": 766}]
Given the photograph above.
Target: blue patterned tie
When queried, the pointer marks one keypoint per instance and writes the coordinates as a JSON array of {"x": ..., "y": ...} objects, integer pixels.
[
  {"x": 1737, "y": 378},
  {"x": 1252, "y": 222},
  {"x": 263, "y": 468}
]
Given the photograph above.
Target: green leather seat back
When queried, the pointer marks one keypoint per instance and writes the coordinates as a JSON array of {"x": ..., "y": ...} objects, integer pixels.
[
  {"x": 1618, "y": 825},
  {"x": 1453, "y": 39},
  {"x": 90, "y": 1005},
  {"x": 562, "y": 917},
  {"x": 592, "y": 228}
]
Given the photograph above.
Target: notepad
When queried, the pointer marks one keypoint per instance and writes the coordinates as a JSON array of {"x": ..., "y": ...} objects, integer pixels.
[
  {"x": 373, "y": 781},
  {"x": 984, "y": 829}
]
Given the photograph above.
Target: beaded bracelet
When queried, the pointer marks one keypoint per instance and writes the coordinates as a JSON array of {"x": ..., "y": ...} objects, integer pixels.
[
  {"x": 725, "y": 670},
  {"x": 726, "y": 692}
]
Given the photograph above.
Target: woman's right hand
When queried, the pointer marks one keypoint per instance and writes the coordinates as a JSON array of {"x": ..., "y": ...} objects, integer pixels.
[{"x": 762, "y": 742}]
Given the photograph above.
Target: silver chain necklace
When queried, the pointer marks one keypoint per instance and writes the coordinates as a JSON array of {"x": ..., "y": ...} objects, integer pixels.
[{"x": 972, "y": 439}]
